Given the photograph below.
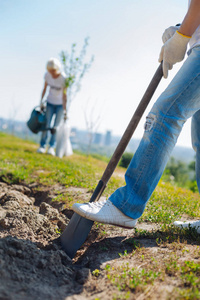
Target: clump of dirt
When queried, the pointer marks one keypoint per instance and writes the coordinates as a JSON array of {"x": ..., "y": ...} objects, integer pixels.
[
  {"x": 20, "y": 217},
  {"x": 32, "y": 263}
]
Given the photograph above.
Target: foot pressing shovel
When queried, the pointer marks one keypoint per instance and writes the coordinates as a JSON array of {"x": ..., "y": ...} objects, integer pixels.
[{"x": 79, "y": 227}]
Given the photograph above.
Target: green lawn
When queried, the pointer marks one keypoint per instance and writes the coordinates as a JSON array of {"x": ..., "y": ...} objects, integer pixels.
[
  {"x": 177, "y": 260},
  {"x": 19, "y": 163}
]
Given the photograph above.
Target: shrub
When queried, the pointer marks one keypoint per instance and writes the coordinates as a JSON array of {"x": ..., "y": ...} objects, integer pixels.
[{"x": 125, "y": 160}]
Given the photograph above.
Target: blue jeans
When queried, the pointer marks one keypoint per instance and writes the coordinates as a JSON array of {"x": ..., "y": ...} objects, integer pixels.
[
  {"x": 180, "y": 101},
  {"x": 51, "y": 110}
]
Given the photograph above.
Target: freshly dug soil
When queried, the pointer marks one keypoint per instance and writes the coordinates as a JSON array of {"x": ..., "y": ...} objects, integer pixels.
[
  {"x": 32, "y": 263},
  {"x": 34, "y": 266}
]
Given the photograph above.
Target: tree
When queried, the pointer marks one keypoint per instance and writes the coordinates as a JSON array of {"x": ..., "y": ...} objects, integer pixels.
[
  {"x": 75, "y": 68},
  {"x": 92, "y": 123},
  {"x": 126, "y": 159},
  {"x": 13, "y": 113},
  {"x": 177, "y": 171}
]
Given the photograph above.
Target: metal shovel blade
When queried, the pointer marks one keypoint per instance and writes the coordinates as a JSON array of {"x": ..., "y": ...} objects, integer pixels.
[
  {"x": 76, "y": 234},
  {"x": 78, "y": 228}
]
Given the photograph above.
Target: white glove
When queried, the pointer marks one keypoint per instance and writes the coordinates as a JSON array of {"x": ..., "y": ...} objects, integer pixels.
[
  {"x": 169, "y": 32},
  {"x": 173, "y": 51}
]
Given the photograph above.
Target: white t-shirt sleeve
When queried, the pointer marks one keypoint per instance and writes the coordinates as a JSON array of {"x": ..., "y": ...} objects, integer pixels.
[{"x": 46, "y": 77}]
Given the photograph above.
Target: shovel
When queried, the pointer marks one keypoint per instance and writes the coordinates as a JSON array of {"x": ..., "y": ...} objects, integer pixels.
[{"x": 79, "y": 227}]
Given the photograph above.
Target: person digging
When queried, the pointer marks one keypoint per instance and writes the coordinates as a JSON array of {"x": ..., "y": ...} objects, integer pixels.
[{"x": 179, "y": 102}]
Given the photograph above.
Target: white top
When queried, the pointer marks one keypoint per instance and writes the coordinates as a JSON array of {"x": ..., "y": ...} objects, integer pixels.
[
  {"x": 56, "y": 85},
  {"x": 195, "y": 39}
]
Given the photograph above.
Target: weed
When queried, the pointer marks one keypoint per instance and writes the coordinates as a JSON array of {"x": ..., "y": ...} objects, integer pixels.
[
  {"x": 172, "y": 266},
  {"x": 107, "y": 267},
  {"x": 125, "y": 254},
  {"x": 58, "y": 231},
  {"x": 96, "y": 273}
]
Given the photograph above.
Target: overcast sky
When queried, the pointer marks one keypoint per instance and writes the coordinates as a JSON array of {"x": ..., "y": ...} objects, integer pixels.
[{"x": 125, "y": 38}]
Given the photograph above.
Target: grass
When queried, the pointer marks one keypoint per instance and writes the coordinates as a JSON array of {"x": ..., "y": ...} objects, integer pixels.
[
  {"x": 176, "y": 259},
  {"x": 169, "y": 203},
  {"x": 135, "y": 280},
  {"x": 20, "y": 163},
  {"x": 129, "y": 279}
]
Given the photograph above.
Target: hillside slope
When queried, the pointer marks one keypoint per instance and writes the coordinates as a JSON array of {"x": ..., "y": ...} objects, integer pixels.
[{"x": 154, "y": 261}]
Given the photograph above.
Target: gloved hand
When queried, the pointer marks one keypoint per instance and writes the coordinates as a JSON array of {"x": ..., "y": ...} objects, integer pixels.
[
  {"x": 173, "y": 51},
  {"x": 65, "y": 115},
  {"x": 169, "y": 32}
]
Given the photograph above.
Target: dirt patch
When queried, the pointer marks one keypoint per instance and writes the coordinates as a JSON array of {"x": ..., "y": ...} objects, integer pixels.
[
  {"x": 32, "y": 263},
  {"x": 34, "y": 266}
]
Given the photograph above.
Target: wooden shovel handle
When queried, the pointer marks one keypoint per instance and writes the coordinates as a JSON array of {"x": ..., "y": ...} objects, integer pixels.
[{"x": 79, "y": 227}]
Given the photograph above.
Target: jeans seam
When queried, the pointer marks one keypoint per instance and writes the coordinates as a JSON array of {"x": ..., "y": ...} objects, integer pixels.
[
  {"x": 140, "y": 174},
  {"x": 150, "y": 150},
  {"x": 180, "y": 94},
  {"x": 182, "y": 97}
]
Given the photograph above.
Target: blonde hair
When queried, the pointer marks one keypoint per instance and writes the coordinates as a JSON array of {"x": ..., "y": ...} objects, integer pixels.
[{"x": 53, "y": 64}]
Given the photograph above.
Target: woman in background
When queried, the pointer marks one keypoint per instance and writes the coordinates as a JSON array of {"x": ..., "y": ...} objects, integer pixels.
[{"x": 56, "y": 102}]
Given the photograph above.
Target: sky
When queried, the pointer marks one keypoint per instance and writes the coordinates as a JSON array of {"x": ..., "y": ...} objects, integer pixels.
[{"x": 125, "y": 39}]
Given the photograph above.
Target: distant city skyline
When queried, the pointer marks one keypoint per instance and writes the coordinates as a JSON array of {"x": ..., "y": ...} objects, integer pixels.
[{"x": 102, "y": 143}]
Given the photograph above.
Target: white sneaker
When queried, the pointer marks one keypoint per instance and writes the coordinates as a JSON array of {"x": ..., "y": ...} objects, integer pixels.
[
  {"x": 41, "y": 150},
  {"x": 51, "y": 151},
  {"x": 104, "y": 212},
  {"x": 193, "y": 224}
]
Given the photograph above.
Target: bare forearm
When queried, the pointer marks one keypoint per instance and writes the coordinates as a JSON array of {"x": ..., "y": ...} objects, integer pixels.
[
  {"x": 192, "y": 19},
  {"x": 42, "y": 96},
  {"x": 43, "y": 92}
]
